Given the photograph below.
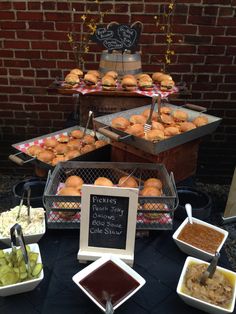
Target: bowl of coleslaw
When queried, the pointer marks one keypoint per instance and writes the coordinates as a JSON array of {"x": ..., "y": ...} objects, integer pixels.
[{"x": 33, "y": 230}]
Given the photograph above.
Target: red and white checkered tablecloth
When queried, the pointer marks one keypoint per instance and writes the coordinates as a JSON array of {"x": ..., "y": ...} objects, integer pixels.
[{"x": 83, "y": 89}]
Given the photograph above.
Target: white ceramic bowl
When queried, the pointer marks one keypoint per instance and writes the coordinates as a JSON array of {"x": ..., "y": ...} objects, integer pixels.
[
  {"x": 29, "y": 238},
  {"x": 25, "y": 285},
  {"x": 77, "y": 278},
  {"x": 192, "y": 250},
  {"x": 202, "y": 305}
]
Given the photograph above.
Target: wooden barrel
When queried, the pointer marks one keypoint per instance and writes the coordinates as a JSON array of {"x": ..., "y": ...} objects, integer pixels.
[{"x": 123, "y": 63}]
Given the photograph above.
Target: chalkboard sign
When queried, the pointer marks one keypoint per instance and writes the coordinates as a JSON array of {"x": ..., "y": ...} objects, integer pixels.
[
  {"x": 117, "y": 36},
  {"x": 108, "y": 222}
]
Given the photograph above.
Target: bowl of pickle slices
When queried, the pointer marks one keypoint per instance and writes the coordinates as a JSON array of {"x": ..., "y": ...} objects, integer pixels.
[{"x": 16, "y": 276}]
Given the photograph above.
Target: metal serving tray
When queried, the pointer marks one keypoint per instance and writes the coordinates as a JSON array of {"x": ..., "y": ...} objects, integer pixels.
[
  {"x": 103, "y": 125},
  {"x": 163, "y": 206},
  {"x": 100, "y": 154}
]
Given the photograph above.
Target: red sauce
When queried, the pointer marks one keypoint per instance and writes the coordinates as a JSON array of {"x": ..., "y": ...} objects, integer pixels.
[
  {"x": 109, "y": 279},
  {"x": 202, "y": 237}
]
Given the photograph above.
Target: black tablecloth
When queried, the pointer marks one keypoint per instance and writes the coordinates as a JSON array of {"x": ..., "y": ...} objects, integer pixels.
[{"x": 157, "y": 259}]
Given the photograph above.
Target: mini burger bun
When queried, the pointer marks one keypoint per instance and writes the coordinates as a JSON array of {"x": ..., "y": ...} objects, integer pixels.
[
  {"x": 50, "y": 142},
  {"x": 156, "y": 76},
  {"x": 187, "y": 126},
  {"x": 77, "y": 72},
  {"x": 90, "y": 80},
  {"x": 155, "y": 135},
  {"x": 164, "y": 77},
  {"x": 74, "y": 182},
  {"x": 153, "y": 182},
  {"x": 200, "y": 121},
  {"x": 137, "y": 118},
  {"x": 180, "y": 115},
  {"x": 46, "y": 156},
  {"x": 129, "y": 83},
  {"x": 128, "y": 182},
  {"x": 77, "y": 134},
  {"x": 95, "y": 73},
  {"x": 167, "y": 85},
  {"x": 71, "y": 79},
  {"x": 120, "y": 123},
  {"x": 136, "y": 129},
  {"x": 102, "y": 181},
  {"x": 108, "y": 83},
  {"x": 113, "y": 74}
]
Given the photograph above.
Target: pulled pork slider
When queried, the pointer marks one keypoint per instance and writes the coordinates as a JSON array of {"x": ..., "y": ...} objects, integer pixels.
[
  {"x": 46, "y": 156},
  {"x": 63, "y": 138},
  {"x": 57, "y": 159},
  {"x": 71, "y": 154},
  {"x": 103, "y": 181},
  {"x": 200, "y": 121},
  {"x": 145, "y": 83},
  {"x": 77, "y": 72},
  {"x": 120, "y": 123},
  {"x": 50, "y": 143},
  {"x": 90, "y": 80},
  {"x": 108, "y": 83},
  {"x": 88, "y": 139},
  {"x": 34, "y": 150},
  {"x": 74, "y": 182},
  {"x": 129, "y": 83},
  {"x": 87, "y": 148},
  {"x": 77, "y": 134},
  {"x": 153, "y": 182},
  {"x": 151, "y": 191},
  {"x": 167, "y": 119},
  {"x": 146, "y": 113},
  {"x": 167, "y": 85},
  {"x": 71, "y": 80},
  {"x": 166, "y": 110},
  {"x": 171, "y": 131},
  {"x": 187, "y": 126},
  {"x": 61, "y": 149},
  {"x": 100, "y": 143},
  {"x": 155, "y": 135},
  {"x": 137, "y": 118},
  {"x": 180, "y": 115},
  {"x": 127, "y": 182},
  {"x": 68, "y": 191},
  {"x": 136, "y": 129},
  {"x": 74, "y": 144},
  {"x": 157, "y": 126}
]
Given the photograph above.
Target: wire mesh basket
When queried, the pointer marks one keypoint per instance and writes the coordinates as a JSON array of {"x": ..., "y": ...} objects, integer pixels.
[{"x": 153, "y": 212}]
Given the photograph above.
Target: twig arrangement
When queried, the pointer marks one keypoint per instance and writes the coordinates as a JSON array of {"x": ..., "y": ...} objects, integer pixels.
[{"x": 165, "y": 24}]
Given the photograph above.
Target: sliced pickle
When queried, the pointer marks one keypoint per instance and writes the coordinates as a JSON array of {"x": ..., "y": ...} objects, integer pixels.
[
  {"x": 9, "y": 278},
  {"x": 37, "y": 270}
]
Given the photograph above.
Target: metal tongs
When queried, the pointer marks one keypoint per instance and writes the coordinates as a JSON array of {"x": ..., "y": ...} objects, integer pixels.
[
  {"x": 87, "y": 124},
  {"x": 148, "y": 124},
  {"x": 16, "y": 230},
  {"x": 109, "y": 307},
  {"x": 209, "y": 272},
  {"x": 94, "y": 127},
  {"x": 27, "y": 190}
]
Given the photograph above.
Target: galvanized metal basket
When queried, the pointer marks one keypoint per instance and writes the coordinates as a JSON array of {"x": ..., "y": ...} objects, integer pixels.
[{"x": 153, "y": 212}]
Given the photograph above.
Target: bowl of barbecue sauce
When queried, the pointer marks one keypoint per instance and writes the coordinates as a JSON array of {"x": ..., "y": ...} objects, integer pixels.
[{"x": 108, "y": 277}]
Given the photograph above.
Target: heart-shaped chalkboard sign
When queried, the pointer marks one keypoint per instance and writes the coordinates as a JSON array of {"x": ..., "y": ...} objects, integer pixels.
[{"x": 118, "y": 36}]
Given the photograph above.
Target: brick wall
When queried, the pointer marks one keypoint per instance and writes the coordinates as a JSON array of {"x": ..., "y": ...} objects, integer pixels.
[{"x": 34, "y": 50}]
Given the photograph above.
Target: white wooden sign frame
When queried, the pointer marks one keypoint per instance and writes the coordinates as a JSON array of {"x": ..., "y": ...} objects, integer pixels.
[{"x": 91, "y": 253}]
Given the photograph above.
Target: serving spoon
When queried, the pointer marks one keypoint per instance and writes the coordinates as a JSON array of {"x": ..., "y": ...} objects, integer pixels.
[
  {"x": 209, "y": 272},
  {"x": 188, "y": 208}
]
